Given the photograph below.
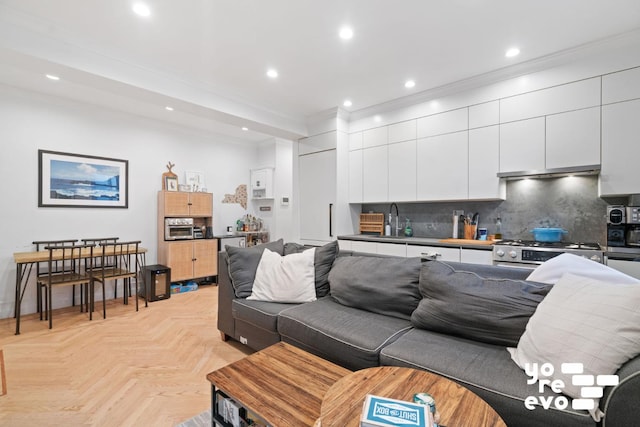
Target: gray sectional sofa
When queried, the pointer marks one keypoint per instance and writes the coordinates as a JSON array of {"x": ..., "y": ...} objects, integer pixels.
[{"x": 452, "y": 319}]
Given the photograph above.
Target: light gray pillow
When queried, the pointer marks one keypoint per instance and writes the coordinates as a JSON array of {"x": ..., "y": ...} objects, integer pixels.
[
  {"x": 243, "y": 263},
  {"x": 483, "y": 303},
  {"x": 323, "y": 261},
  {"x": 386, "y": 286}
]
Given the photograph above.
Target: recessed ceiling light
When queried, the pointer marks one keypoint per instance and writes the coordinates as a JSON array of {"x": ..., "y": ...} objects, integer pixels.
[
  {"x": 168, "y": 108},
  {"x": 347, "y": 103},
  {"x": 272, "y": 73},
  {"x": 377, "y": 119},
  {"x": 52, "y": 77},
  {"x": 409, "y": 84},
  {"x": 141, "y": 9},
  {"x": 346, "y": 33},
  {"x": 244, "y": 128},
  {"x": 510, "y": 53}
]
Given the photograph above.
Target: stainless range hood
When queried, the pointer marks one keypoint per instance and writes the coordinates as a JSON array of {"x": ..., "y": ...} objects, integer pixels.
[{"x": 552, "y": 173}]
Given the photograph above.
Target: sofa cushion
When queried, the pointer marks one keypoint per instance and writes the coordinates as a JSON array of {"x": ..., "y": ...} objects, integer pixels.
[
  {"x": 344, "y": 335},
  {"x": 324, "y": 257},
  {"x": 261, "y": 314},
  {"x": 386, "y": 286},
  {"x": 288, "y": 278},
  {"x": 583, "y": 321},
  {"x": 490, "y": 308},
  {"x": 243, "y": 263},
  {"x": 485, "y": 369}
]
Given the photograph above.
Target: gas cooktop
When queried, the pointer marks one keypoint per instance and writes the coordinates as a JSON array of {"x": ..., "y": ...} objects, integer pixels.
[{"x": 552, "y": 245}]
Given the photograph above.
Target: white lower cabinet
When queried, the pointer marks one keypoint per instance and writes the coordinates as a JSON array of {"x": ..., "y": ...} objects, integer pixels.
[
  {"x": 366, "y": 247},
  {"x": 632, "y": 268},
  {"x": 440, "y": 253},
  {"x": 393, "y": 249},
  {"x": 475, "y": 256}
]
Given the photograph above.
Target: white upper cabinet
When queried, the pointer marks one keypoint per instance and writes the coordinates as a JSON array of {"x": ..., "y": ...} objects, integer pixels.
[
  {"x": 484, "y": 155},
  {"x": 375, "y": 174},
  {"x": 438, "y": 124},
  {"x": 443, "y": 167},
  {"x": 355, "y": 141},
  {"x": 621, "y": 86},
  {"x": 522, "y": 145},
  {"x": 317, "y": 143},
  {"x": 573, "y": 138},
  {"x": 355, "y": 176},
  {"x": 402, "y": 171},
  {"x": 567, "y": 97},
  {"x": 486, "y": 114},
  {"x": 374, "y": 137},
  {"x": 403, "y": 131},
  {"x": 620, "y": 149}
]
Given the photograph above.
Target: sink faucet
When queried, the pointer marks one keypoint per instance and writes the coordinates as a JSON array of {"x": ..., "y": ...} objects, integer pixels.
[{"x": 391, "y": 210}]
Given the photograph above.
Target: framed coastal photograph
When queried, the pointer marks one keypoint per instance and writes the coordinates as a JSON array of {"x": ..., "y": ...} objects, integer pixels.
[
  {"x": 76, "y": 180},
  {"x": 171, "y": 183},
  {"x": 195, "y": 180}
]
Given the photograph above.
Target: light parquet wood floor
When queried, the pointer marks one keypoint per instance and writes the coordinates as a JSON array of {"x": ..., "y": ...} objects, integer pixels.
[{"x": 143, "y": 368}]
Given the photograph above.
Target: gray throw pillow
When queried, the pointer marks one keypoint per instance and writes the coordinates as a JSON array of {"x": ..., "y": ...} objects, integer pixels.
[
  {"x": 243, "y": 263},
  {"x": 386, "y": 286},
  {"x": 323, "y": 261},
  {"x": 483, "y": 303}
]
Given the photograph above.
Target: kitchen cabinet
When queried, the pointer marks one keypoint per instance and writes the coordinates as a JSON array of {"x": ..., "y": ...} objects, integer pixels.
[
  {"x": 317, "y": 187},
  {"x": 522, "y": 145},
  {"x": 355, "y": 141},
  {"x": 374, "y": 137},
  {"x": 484, "y": 155},
  {"x": 557, "y": 99},
  {"x": 475, "y": 256},
  {"x": 191, "y": 259},
  {"x": 632, "y": 268},
  {"x": 178, "y": 203},
  {"x": 375, "y": 174},
  {"x": 262, "y": 183},
  {"x": 403, "y": 131},
  {"x": 364, "y": 247},
  {"x": 485, "y": 114},
  {"x": 355, "y": 176},
  {"x": 441, "y": 123},
  {"x": 621, "y": 86},
  {"x": 620, "y": 149},
  {"x": 443, "y": 167},
  {"x": 573, "y": 138},
  {"x": 402, "y": 171},
  {"x": 440, "y": 253},
  {"x": 392, "y": 249}
]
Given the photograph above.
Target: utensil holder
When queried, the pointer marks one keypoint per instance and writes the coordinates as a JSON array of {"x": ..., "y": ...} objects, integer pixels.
[{"x": 470, "y": 231}]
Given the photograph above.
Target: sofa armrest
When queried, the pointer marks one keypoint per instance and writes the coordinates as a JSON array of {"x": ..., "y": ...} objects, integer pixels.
[
  {"x": 620, "y": 403},
  {"x": 226, "y": 322}
]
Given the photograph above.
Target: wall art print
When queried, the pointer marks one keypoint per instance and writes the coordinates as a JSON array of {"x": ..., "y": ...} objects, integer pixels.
[{"x": 77, "y": 180}]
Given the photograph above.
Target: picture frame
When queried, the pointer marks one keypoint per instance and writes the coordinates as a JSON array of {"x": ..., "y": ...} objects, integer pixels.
[
  {"x": 69, "y": 180},
  {"x": 171, "y": 183},
  {"x": 195, "y": 180}
]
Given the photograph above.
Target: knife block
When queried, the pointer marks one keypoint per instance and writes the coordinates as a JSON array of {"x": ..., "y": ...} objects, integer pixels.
[{"x": 470, "y": 231}]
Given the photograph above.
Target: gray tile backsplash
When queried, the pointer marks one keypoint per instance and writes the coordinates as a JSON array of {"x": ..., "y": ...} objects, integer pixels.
[{"x": 570, "y": 203}]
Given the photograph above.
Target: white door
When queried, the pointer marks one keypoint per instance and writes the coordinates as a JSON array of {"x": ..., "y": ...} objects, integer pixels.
[{"x": 317, "y": 185}]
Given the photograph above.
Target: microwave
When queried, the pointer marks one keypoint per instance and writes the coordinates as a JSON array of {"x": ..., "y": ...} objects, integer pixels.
[{"x": 178, "y": 228}]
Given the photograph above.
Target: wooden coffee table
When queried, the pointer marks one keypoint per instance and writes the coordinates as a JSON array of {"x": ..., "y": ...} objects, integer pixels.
[
  {"x": 458, "y": 406},
  {"x": 281, "y": 384}
]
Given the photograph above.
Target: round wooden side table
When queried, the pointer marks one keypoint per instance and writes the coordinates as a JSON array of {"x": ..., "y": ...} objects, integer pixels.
[{"x": 458, "y": 406}]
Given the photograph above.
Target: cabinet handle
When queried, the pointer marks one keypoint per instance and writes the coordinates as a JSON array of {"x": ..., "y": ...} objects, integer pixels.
[{"x": 330, "y": 219}]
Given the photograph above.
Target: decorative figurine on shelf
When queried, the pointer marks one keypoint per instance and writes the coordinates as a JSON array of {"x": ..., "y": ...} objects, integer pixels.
[{"x": 170, "y": 179}]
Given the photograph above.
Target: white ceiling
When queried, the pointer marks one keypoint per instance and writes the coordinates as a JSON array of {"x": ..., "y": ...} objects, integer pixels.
[{"x": 208, "y": 58}]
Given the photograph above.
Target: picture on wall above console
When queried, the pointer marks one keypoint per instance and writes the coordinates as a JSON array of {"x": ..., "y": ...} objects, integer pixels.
[{"x": 78, "y": 180}]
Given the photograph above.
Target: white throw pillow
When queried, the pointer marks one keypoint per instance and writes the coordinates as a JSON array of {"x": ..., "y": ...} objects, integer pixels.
[
  {"x": 288, "y": 278},
  {"x": 586, "y": 321},
  {"x": 552, "y": 270}
]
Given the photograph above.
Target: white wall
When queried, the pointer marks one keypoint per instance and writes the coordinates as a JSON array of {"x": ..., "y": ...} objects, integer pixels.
[{"x": 32, "y": 121}]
